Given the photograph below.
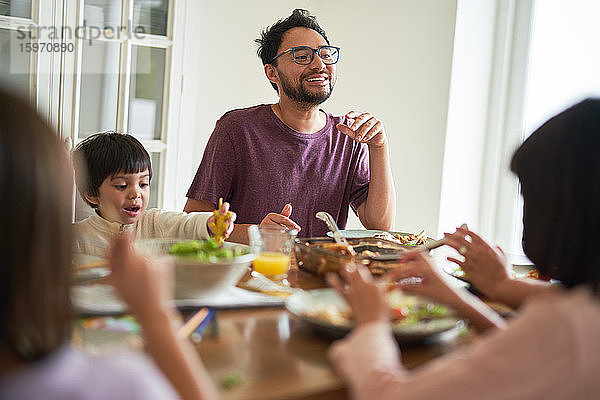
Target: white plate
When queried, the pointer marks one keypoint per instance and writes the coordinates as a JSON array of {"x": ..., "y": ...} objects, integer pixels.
[
  {"x": 361, "y": 233},
  {"x": 455, "y": 271},
  {"x": 519, "y": 260},
  {"x": 518, "y": 272},
  {"x": 99, "y": 299},
  {"x": 88, "y": 274},
  {"x": 300, "y": 303},
  {"x": 368, "y": 233}
]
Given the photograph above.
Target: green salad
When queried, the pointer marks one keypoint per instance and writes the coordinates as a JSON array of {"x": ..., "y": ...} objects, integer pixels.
[
  {"x": 424, "y": 312},
  {"x": 407, "y": 309},
  {"x": 205, "y": 250}
]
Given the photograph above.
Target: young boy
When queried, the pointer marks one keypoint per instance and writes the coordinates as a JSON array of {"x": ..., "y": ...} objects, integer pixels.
[{"x": 113, "y": 175}]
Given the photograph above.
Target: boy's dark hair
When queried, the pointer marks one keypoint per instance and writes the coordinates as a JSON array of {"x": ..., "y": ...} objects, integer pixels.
[
  {"x": 270, "y": 38},
  {"x": 559, "y": 170},
  {"x": 106, "y": 154}
]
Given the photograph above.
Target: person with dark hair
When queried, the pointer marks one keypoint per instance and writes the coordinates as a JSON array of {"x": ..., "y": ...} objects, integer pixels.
[
  {"x": 270, "y": 156},
  {"x": 113, "y": 173},
  {"x": 36, "y": 359},
  {"x": 105, "y": 154},
  {"x": 550, "y": 350}
]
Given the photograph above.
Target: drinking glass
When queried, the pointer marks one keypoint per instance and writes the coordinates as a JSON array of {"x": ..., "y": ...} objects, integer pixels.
[{"x": 273, "y": 248}]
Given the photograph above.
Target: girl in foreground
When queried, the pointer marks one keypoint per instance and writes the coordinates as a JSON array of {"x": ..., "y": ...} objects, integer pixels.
[
  {"x": 36, "y": 359},
  {"x": 551, "y": 349}
]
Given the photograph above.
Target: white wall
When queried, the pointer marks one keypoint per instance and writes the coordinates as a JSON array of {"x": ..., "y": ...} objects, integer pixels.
[{"x": 396, "y": 63}]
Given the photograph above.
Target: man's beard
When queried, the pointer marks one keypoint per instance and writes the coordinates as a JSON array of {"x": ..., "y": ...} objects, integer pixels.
[{"x": 302, "y": 96}]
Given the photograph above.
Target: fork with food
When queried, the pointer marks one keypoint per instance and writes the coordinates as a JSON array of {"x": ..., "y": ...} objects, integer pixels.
[{"x": 221, "y": 222}]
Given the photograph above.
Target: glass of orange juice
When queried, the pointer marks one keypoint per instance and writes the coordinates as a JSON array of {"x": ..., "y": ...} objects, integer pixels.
[{"x": 273, "y": 248}]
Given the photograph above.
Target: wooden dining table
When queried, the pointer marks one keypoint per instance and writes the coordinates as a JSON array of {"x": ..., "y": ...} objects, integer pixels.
[{"x": 267, "y": 353}]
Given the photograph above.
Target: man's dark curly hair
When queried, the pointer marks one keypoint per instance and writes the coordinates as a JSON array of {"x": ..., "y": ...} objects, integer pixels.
[{"x": 270, "y": 38}]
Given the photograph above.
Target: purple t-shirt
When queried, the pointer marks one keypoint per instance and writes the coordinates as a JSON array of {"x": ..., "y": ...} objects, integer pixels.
[{"x": 258, "y": 164}]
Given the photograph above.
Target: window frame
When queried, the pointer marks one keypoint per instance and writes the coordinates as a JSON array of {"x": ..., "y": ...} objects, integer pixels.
[
  {"x": 45, "y": 67},
  {"x": 486, "y": 111},
  {"x": 167, "y": 143}
]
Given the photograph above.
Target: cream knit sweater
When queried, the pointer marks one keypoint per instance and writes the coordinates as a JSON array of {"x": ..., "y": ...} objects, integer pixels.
[{"x": 94, "y": 234}]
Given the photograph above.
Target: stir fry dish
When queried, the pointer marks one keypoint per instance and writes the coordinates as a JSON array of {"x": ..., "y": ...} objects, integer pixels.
[
  {"x": 205, "y": 250},
  {"x": 322, "y": 255},
  {"x": 337, "y": 248},
  {"x": 414, "y": 239}
]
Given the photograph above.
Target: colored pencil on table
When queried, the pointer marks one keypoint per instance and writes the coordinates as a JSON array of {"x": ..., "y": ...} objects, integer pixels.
[
  {"x": 190, "y": 326},
  {"x": 196, "y": 336},
  {"x": 96, "y": 264}
]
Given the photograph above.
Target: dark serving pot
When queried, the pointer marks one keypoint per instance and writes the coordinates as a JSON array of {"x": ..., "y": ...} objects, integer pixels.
[{"x": 320, "y": 255}]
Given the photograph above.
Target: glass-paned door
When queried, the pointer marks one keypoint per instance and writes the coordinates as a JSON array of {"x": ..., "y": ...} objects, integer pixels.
[
  {"x": 99, "y": 89},
  {"x": 563, "y": 68},
  {"x": 31, "y": 53},
  {"x": 122, "y": 69},
  {"x": 151, "y": 16},
  {"x": 14, "y": 64},
  {"x": 146, "y": 91},
  {"x": 18, "y": 61},
  {"x": 16, "y": 8}
]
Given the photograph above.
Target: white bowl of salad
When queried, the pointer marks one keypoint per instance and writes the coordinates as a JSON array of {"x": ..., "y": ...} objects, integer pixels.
[{"x": 202, "y": 269}]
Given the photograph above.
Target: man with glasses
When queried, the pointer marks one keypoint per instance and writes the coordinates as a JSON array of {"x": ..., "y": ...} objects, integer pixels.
[{"x": 292, "y": 153}]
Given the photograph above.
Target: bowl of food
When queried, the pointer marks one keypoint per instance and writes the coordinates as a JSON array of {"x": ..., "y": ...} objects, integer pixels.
[
  {"x": 415, "y": 319},
  {"x": 202, "y": 269},
  {"x": 321, "y": 255},
  {"x": 87, "y": 267}
]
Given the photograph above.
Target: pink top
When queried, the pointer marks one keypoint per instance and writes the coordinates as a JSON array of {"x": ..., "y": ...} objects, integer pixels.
[
  {"x": 71, "y": 374},
  {"x": 550, "y": 351}
]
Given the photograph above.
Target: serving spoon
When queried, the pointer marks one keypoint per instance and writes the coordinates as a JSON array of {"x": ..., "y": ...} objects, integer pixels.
[{"x": 337, "y": 235}]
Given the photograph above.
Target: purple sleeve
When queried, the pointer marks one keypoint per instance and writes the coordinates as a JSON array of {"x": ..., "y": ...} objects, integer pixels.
[
  {"x": 359, "y": 183},
  {"x": 214, "y": 177}
]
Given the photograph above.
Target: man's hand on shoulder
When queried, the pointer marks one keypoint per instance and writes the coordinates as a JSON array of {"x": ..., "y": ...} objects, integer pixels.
[{"x": 364, "y": 128}]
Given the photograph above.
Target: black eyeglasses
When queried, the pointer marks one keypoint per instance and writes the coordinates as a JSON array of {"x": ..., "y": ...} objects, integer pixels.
[{"x": 304, "y": 55}]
